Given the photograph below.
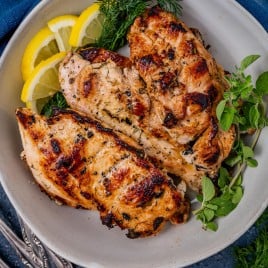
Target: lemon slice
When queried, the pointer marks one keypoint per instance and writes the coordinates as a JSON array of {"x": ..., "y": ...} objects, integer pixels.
[
  {"x": 42, "y": 46},
  {"x": 43, "y": 82},
  {"x": 88, "y": 27},
  {"x": 62, "y": 26}
]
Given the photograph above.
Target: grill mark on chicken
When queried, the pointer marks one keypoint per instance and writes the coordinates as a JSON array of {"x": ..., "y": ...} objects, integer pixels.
[
  {"x": 98, "y": 172},
  {"x": 86, "y": 195},
  {"x": 149, "y": 60},
  {"x": 88, "y": 86},
  {"x": 176, "y": 27},
  {"x": 115, "y": 180},
  {"x": 212, "y": 94},
  {"x": 167, "y": 80},
  {"x": 55, "y": 146},
  {"x": 199, "y": 69},
  {"x": 137, "y": 108},
  {"x": 170, "y": 120},
  {"x": 171, "y": 54},
  {"x": 142, "y": 193},
  {"x": 96, "y": 55},
  {"x": 190, "y": 48},
  {"x": 198, "y": 98}
]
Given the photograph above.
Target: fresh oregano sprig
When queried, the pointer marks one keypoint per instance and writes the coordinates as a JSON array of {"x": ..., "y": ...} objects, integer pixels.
[{"x": 243, "y": 107}]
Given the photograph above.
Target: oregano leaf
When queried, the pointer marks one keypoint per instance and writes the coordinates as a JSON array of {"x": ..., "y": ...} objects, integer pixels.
[
  {"x": 262, "y": 84},
  {"x": 254, "y": 116},
  {"x": 223, "y": 177},
  {"x": 251, "y": 162},
  {"x": 208, "y": 189},
  {"x": 209, "y": 214},
  {"x": 220, "y": 109},
  {"x": 225, "y": 209},
  {"x": 237, "y": 195},
  {"x": 227, "y": 118},
  {"x": 233, "y": 160},
  {"x": 247, "y": 61},
  {"x": 247, "y": 152},
  {"x": 212, "y": 226}
]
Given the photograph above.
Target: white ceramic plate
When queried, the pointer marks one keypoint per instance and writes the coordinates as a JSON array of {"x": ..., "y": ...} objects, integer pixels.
[{"x": 77, "y": 234}]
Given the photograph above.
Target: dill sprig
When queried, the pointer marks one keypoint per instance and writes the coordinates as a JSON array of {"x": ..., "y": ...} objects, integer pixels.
[
  {"x": 119, "y": 15},
  {"x": 172, "y": 6},
  {"x": 255, "y": 254}
]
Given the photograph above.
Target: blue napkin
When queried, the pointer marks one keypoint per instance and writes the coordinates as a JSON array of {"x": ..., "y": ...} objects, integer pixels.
[
  {"x": 11, "y": 14},
  {"x": 258, "y": 9}
]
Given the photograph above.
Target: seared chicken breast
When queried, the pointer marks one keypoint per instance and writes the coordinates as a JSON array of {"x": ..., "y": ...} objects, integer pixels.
[
  {"x": 181, "y": 76},
  {"x": 185, "y": 84},
  {"x": 78, "y": 161}
]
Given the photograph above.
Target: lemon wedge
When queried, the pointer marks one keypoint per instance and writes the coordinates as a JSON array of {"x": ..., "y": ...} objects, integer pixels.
[
  {"x": 42, "y": 46},
  {"x": 43, "y": 82},
  {"x": 62, "y": 26},
  {"x": 88, "y": 27}
]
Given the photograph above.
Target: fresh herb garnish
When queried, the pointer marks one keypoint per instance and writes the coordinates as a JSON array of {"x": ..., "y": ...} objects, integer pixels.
[
  {"x": 172, "y": 6},
  {"x": 243, "y": 107},
  {"x": 57, "y": 101},
  {"x": 255, "y": 255},
  {"x": 243, "y": 104},
  {"x": 119, "y": 16}
]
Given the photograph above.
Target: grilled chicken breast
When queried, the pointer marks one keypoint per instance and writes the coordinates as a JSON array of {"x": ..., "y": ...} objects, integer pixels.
[
  {"x": 180, "y": 74},
  {"x": 83, "y": 164}
]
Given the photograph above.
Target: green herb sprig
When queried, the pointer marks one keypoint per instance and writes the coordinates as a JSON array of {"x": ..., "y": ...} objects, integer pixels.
[
  {"x": 255, "y": 254},
  {"x": 119, "y": 15},
  {"x": 243, "y": 104},
  {"x": 57, "y": 100},
  {"x": 243, "y": 107}
]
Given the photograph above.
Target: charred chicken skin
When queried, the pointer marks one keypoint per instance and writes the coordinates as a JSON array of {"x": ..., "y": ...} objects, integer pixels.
[{"x": 77, "y": 161}]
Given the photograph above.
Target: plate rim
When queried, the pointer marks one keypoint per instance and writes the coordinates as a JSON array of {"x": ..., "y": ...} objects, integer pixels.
[{"x": 4, "y": 57}]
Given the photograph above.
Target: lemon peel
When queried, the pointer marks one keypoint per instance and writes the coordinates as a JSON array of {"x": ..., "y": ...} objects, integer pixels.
[
  {"x": 42, "y": 46},
  {"x": 88, "y": 27},
  {"x": 62, "y": 26},
  {"x": 43, "y": 81}
]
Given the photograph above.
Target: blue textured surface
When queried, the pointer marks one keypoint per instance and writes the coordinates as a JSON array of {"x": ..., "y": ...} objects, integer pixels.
[
  {"x": 11, "y": 14},
  {"x": 258, "y": 8}
]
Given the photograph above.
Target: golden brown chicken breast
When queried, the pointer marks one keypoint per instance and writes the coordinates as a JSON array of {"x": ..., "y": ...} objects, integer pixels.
[{"x": 83, "y": 164}]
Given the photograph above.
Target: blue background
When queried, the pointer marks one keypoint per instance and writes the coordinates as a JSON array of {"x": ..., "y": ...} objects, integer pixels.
[{"x": 11, "y": 14}]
